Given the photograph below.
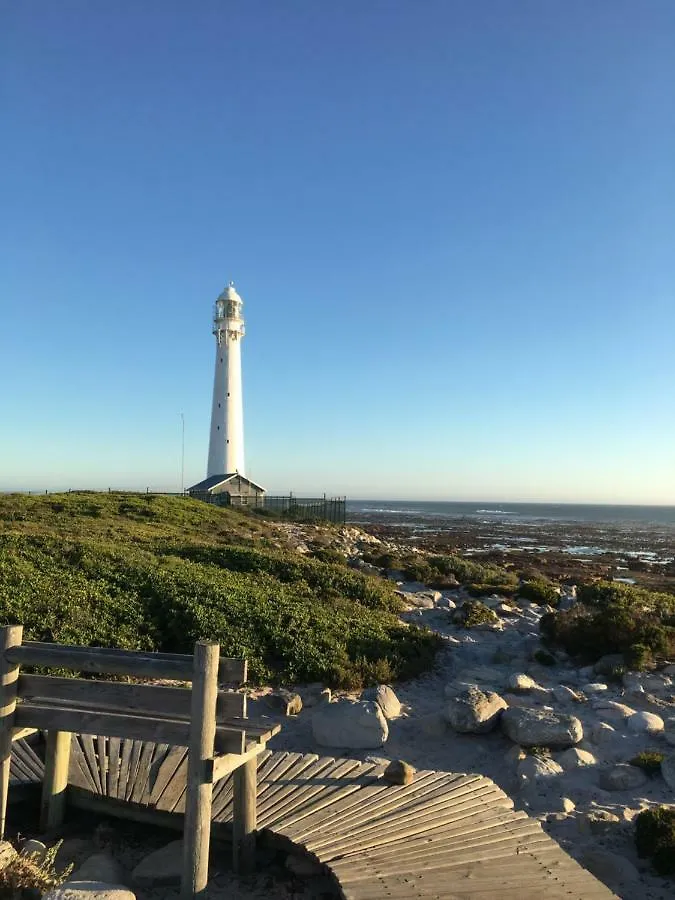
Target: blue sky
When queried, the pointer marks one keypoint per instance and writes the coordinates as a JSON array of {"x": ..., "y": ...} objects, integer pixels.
[{"x": 452, "y": 225}]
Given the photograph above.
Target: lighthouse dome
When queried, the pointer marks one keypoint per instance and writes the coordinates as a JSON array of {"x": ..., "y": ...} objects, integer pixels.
[{"x": 229, "y": 293}]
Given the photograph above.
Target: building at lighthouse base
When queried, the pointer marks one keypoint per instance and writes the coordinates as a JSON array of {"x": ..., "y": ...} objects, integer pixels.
[{"x": 228, "y": 490}]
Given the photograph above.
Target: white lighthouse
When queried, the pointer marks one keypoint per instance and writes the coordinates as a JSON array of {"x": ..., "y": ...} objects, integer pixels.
[{"x": 226, "y": 443}]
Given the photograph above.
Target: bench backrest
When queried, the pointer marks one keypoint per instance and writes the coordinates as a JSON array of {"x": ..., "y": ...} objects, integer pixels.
[{"x": 139, "y": 711}]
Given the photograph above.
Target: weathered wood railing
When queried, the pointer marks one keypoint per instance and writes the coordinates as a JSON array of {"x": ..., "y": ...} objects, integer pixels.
[{"x": 211, "y": 723}]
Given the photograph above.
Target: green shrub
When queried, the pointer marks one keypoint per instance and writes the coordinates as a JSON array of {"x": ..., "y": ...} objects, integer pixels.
[
  {"x": 473, "y": 613},
  {"x": 541, "y": 591},
  {"x": 544, "y": 658},
  {"x": 329, "y": 555},
  {"x": 121, "y": 578},
  {"x": 649, "y": 761},
  {"x": 615, "y": 618},
  {"x": 655, "y": 838}
]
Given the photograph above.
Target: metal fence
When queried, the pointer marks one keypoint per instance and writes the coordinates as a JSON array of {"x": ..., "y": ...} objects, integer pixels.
[{"x": 330, "y": 509}]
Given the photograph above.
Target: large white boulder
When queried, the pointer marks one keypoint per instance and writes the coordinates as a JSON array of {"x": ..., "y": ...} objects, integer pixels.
[
  {"x": 644, "y": 723},
  {"x": 161, "y": 867},
  {"x": 385, "y": 698},
  {"x": 473, "y": 711},
  {"x": 355, "y": 725},
  {"x": 539, "y": 727}
]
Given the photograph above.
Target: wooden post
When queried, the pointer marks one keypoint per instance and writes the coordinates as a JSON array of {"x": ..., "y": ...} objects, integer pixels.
[
  {"x": 199, "y": 790},
  {"x": 244, "y": 818},
  {"x": 57, "y": 758},
  {"x": 10, "y": 636}
]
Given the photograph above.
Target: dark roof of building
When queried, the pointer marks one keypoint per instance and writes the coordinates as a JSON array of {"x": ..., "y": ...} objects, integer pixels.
[{"x": 214, "y": 480}]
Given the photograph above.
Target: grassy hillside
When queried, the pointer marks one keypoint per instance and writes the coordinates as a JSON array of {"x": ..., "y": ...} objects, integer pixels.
[{"x": 158, "y": 573}]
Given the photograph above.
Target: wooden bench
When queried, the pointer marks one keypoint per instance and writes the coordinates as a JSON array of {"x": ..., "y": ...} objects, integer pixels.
[{"x": 211, "y": 723}]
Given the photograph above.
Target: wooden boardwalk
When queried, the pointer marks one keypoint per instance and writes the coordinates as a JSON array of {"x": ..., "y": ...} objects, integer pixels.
[
  {"x": 25, "y": 766},
  {"x": 445, "y": 836}
]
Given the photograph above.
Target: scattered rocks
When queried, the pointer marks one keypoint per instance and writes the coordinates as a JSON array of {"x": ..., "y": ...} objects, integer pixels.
[
  {"x": 533, "y": 767},
  {"x": 385, "y": 698},
  {"x": 286, "y": 702},
  {"x": 34, "y": 850},
  {"x": 622, "y": 777},
  {"x": 399, "y": 772},
  {"x": 598, "y": 822},
  {"x": 520, "y": 683},
  {"x": 563, "y": 694},
  {"x": 644, "y": 723},
  {"x": 356, "y": 725},
  {"x": 474, "y": 711},
  {"x": 538, "y": 727},
  {"x": 575, "y": 758},
  {"x": 594, "y": 687},
  {"x": 100, "y": 867},
  {"x": 89, "y": 890},
  {"x": 161, "y": 867}
]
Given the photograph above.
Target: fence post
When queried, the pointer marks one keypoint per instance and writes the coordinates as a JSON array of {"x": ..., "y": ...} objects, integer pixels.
[
  {"x": 244, "y": 816},
  {"x": 199, "y": 790},
  {"x": 57, "y": 758},
  {"x": 10, "y": 636}
]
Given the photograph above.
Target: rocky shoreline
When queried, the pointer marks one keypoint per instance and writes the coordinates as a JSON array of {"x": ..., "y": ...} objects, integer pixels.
[{"x": 562, "y": 740}]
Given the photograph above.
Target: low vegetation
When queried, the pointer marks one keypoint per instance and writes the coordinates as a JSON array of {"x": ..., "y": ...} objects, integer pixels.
[
  {"x": 655, "y": 837},
  {"x": 615, "y": 618},
  {"x": 29, "y": 876},
  {"x": 158, "y": 573},
  {"x": 474, "y": 613},
  {"x": 446, "y": 571},
  {"x": 539, "y": 590},
  {"x": 649, "y": 761}
]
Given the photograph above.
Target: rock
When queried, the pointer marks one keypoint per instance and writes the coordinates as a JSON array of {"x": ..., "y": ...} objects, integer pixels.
[
  {"x": 565, "y": 806},
  {"x": 574, "y": 758},
  {"x": 385, "y": 698},
  {"x": 594, "y": 687},
  {"x": 286, "y": 702},
  {"x": 611, "y": 709},
  {"x": 535, "y": 727},
  {"x": 609, "y": 664},
  {"x": 533, "y": 767},
  {"x": 644, "y": 723},
  {"x": 474, "y": 711},
  {"x": 668, "y": 770},
  {"x": 616, "y": 871},
  {"x": 161, "y": 867},
  {"x": 303, "y": 866},
  {"x": 520, "y": 683},
  {"x": 399, "y": 772},
  {"x": 446, "y": 603},
  {"x": 72, "y": 851},
  {"x": 622, "y": 777},
  {"x": 99, "y": 867},
  {"x": 563, "y": 694},
  {"x": 669, "y": 733},
  {"x": 34, "y": 850},
  {"x": 89, "y": 890},
  {"x": 598, "y": 822},
  {"x": 412, "y": 587},
  {"x": 312, "y": 694},
  {"x": 355, "y": 725},
  {"x": 420, "y": 600},
  {"x": 504, "y": 609},
  {"x": 7, "y": 854}
]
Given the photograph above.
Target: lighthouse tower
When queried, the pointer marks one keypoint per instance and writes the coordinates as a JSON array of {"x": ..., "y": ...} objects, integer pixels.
[{"x": 226, "y": 443}]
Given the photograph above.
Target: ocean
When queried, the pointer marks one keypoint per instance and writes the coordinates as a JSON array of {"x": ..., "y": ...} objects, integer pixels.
[{"x": 423, "y": 511}]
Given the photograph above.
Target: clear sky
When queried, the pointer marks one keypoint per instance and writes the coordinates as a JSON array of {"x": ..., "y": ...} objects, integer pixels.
[{"x": 452, "y": 225}]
